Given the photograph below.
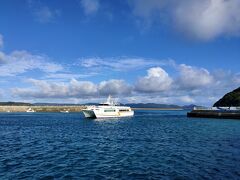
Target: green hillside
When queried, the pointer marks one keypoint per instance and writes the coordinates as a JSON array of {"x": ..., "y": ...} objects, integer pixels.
[{"x": 230, "y": 99}]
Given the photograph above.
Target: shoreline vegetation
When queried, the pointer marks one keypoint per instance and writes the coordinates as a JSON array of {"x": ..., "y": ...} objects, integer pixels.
[
  {"x": 18, "y": 108},
  {"x": 76, "y": 108},
  {"x": 54, "y": 107},
  {"x": 231, "y": 99}
]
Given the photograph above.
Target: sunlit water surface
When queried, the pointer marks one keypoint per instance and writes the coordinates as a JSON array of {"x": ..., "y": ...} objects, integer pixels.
[{"x": 150, "y": 145}]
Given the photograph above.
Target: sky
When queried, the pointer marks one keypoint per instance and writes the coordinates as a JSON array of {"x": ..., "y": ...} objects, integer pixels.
[{"x": 139, "y": 51}]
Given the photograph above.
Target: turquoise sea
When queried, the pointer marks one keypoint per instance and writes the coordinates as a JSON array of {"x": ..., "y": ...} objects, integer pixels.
[{"x": 150, "y": 145}]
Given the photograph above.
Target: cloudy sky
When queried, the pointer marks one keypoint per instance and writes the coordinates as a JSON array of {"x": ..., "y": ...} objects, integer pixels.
[{"x": 161, "y": 51}]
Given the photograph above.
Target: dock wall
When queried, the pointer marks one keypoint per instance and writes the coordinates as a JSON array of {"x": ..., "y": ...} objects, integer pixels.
[{"x": 214, "y": 114}]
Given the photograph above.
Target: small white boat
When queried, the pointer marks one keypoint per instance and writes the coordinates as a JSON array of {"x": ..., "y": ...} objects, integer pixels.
[
  {"x": 30, "y": 110},
  {"x": 65, "y": 111},
  {"x": 107, "y": 109}
]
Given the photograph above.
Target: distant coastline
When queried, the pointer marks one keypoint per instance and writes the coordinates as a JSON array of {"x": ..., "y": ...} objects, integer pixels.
[
  {"x": 75, "y": 108},
  {"x": 146, "y": 106},
  {"x": 173, "y": 109},
  {"x": 41, "y": 108}
]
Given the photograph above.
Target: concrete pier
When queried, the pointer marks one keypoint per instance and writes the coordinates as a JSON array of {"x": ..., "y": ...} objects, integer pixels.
[{"x": 214, "y": 114}]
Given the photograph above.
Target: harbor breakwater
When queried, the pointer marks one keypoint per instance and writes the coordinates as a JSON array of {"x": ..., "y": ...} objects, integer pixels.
[
  {"x": 41, "y": 108},
  {"x": 214, "y": 114}
]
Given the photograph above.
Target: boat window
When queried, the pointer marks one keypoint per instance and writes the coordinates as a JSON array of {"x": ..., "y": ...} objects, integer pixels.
[
  {"x": 109, "y": 110},
  {"x": 123, "y": 110}
]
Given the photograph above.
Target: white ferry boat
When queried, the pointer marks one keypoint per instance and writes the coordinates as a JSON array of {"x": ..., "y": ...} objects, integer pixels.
[{"x": 107, "y": 109}]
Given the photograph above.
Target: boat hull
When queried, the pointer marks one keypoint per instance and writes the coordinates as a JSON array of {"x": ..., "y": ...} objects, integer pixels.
[
  {"x": 97, "y": 114},
  {"x": 89, "y": 113},
  {"x": 114, "y": 115}
]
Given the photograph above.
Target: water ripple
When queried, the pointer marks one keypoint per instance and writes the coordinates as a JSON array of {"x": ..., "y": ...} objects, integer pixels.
[{"x": 151, "y": 145}]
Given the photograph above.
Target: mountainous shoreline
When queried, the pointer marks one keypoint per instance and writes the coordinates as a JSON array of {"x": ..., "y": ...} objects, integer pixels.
[
  {"x": 231, "y": 99},
  {"x": 133, "y": 105}
]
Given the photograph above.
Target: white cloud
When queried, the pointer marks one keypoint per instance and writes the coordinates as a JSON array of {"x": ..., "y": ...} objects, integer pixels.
[
  {"x": 73, "y": 89},
  {"x": 192, "y": 85},
  {"x": 149, "y": 98},
  {"x": 90, "y": 6},
  {"x": 148, "y": 10},
  {"x": 236, "y": 78},
  {"x": 225, "y": 81},
  {"x": 122, "y": 63},
  {"x": 2, "y": 57},
  {"x": 157, "y": 80},
  {"x": 1, "y": 42},
  {"x": 46, "y": 15},
  {"x": 19, "y": 62},
  {"x": 44, "y": 89},
  {"x": 114, "y": 87},
  {"x": 203, "y": 20},
  {"x": 186, "y": 84},
  {"x": 82, "y": 88},
  {"x": 161, "y": 99},
  {"x": 187, "y": 99},
  {"x": 1, "y": 93},
  {"x": 41, "y": 12},
  {"x": 193, "y": 78},
  {"x": 209, "y": 19},
  {"x": 67, "y": 76}
]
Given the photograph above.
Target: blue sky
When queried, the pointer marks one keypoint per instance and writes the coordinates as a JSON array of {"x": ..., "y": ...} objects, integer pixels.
[{"x": 78, "y": 51}]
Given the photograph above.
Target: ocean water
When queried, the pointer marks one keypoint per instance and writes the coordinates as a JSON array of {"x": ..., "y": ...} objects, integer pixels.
[{"x": 150, "y": 145}]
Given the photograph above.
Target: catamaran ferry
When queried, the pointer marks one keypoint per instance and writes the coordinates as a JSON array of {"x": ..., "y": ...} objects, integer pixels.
[{"x": 107, "y": 109}]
